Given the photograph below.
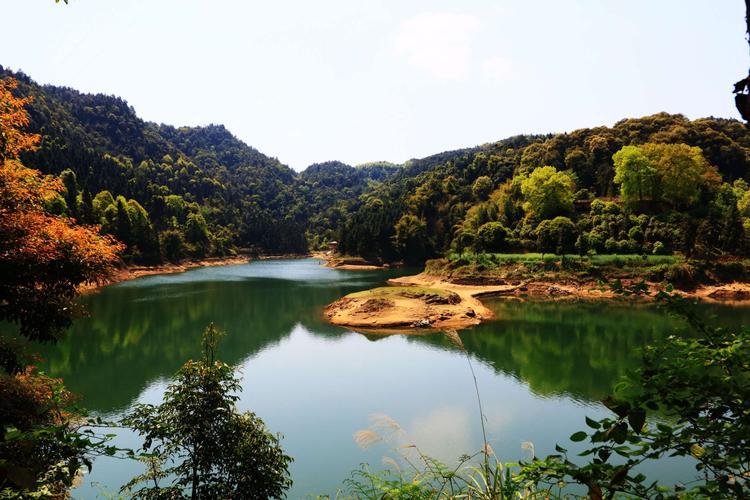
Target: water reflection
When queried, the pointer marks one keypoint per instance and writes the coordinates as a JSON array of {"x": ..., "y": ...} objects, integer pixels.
[
  {"x": 541, "y": 366},
  {"x": 144, "y": 330}
]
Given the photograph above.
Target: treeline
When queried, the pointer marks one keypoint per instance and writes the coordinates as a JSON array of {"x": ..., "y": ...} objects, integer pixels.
[
  {"x": 657, "y": 184},
  {"x": 169, "y": 192}
]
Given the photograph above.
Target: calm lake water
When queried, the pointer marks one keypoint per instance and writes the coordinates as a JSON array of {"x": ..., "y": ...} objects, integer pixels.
[{"x": 541, "y": 367}]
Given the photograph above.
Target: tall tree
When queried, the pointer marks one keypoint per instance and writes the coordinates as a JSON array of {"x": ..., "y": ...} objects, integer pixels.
[
  {"x": 43, "y": 259},
  {"x": 634, "y": 174},
  {"x": 548, "y": 193}
]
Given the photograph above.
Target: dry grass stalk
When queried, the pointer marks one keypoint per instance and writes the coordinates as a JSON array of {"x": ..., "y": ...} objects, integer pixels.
[
  {"x": 365, "y": 438},
  {"x": 454, "y": 338}
]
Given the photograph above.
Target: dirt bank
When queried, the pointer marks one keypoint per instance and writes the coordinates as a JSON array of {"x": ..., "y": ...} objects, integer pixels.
[
  {"x": 347, "y": 263},
  {"x": 394, "y": 308},
  {"x": 415, "y": 302}
]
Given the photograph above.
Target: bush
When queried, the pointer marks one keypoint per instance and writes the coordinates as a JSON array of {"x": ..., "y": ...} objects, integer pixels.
[
  {"x": 216, "y": 451},
  {"x": 491, "y": 237},
  {"x": 682, "y": 276},
  {"x": 659, "y": 249},
  {"x": 557, "y": 235}
]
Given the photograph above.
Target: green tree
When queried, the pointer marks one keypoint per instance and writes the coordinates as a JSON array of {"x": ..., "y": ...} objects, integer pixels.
[
  {"x": 196, "y": 231},
  {"x": 682, "y": 172},
  {"x": 548, "y": 193},
  {"x": 482, "y": 187},
  {"x": 634, "y": 174},
  {"x": 70, "y": 183},
  {"x": 173, "y": 244},
  {"x": 102, "y": 200},
  {"x": 123, "y": 225},
  {"x": 557, "y": 235},
  {"x": 217, "y": 451},
  {"x": 492, "y": 237},
  {"x": 411, "y": 238},
  {"x": 87, "y": 208}
]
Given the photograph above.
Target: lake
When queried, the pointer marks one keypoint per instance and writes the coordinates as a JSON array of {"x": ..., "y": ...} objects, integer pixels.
[{"x": 540, "y": 367}]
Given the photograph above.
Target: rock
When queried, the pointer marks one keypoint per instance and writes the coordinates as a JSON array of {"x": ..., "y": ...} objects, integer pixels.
[
  {"x": 471, "y": 314},
  {"x": 729, "y": 294},
  {"x": 421, "y": 323},
  {"x": 553, "y": 290}
]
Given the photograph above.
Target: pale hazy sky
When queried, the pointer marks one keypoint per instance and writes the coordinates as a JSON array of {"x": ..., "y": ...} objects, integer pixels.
[{"x": 308, "y": 81}]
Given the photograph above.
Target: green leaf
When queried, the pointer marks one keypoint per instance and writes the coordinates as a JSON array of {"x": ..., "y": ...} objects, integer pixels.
[
  {"x": 637, "y": 419},
  {"x": 578, "y": 436},
  {"x": 592, "y": 423}
]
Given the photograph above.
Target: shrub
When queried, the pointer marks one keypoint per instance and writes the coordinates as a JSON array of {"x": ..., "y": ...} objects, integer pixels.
[
  {"x": 216, "y": 451},
  {"x": 491, "y": 237},
  {"x": 659, "y": 249},
  {"x": 557, "y": 235}
]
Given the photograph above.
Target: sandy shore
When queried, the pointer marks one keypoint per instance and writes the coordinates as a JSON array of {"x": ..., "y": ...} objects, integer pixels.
[{"x": 401, "y": 312}]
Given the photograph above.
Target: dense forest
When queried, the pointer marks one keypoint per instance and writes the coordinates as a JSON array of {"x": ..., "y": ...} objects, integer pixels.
[
  {"x": 657, "y": 184},
  {"x": 169, "y": 192}
]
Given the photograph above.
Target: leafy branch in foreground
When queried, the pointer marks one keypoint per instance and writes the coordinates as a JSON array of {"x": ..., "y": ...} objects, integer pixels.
[
  {"x": 210, "y": 450},
  {"x": 691, "y": 398}
]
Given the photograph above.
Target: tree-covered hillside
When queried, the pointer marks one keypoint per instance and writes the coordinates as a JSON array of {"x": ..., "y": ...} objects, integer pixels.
[
  {"x": 172, "y": 192},
  {"x": 655, "y": 184}
]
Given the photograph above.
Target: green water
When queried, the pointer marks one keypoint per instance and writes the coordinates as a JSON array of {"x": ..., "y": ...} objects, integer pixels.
[{"x": 540, "y": 367}]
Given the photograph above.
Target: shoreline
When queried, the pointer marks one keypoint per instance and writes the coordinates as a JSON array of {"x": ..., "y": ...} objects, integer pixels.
[
  {"x": 401, "y": 313},
  {"x": 132, "y": 272},
  {"x": 347, "y": 263}
]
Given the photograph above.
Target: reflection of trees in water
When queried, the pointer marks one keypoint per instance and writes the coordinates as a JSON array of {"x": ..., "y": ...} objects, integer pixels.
[
  {"x": 137, "y": 334},
  {"x": 573, "y": 349}
]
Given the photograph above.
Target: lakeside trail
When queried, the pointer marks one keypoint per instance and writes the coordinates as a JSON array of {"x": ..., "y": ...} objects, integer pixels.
[
  {"x": 398, "y": 309},
  {"x": 127, "y": 273}
]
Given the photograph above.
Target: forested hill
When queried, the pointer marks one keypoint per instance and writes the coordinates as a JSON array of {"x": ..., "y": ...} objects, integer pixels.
[
  {"x": 659, "y": 183},
  {"x": 172, "y": 192},
  {"x": 656, "y": 184}
]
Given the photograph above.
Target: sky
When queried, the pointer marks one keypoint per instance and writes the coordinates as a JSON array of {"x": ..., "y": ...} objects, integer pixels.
[{"x": 357, "y": 81}]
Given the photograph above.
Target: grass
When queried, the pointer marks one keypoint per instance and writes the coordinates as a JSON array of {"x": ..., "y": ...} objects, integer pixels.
[
  {"x": 398, "y": 290},
  {"x": 568, "y": 267},
  {"x": 612, "y": 259}
]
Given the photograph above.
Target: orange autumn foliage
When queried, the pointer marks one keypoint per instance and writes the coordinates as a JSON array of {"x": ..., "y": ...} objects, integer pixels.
[{"x": 43, "y": 257}]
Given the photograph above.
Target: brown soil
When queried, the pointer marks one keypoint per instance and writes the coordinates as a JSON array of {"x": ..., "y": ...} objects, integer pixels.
[
  {"x": 346, "y": 263},
  {"x": 420, "y": 311}
]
